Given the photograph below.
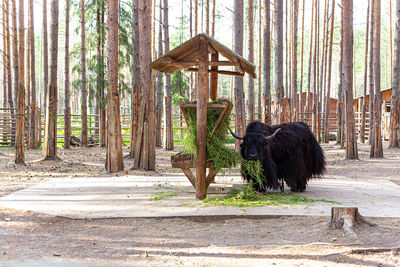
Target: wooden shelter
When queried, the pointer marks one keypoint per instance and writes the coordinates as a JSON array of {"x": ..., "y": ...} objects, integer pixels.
[{"x": 194, "y": 55}]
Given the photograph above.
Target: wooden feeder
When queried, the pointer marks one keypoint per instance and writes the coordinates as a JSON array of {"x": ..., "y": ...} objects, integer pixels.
[{"x": 193, "y": 55}]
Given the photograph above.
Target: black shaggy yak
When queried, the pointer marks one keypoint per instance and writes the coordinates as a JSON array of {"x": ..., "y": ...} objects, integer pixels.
[{"x": 288, "y": 152}]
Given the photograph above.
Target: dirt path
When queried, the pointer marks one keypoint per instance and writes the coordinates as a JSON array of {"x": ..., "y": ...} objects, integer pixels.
[{"x": 289, "y": 240}]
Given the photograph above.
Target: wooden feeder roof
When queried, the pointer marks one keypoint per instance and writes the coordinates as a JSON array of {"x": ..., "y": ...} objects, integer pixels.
[{"x": 186, "y": 57}]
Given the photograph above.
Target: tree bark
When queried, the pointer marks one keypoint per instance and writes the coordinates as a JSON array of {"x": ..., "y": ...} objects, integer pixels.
[
  {"x": 34, "y": 140},
  {"x": 301, "y": 110},
  {"x": 238, "y": 83},
  {"x": 168, "y": 135},
  {"x": 114, "y": 159},
  {"x": 20, "y": 131},
  {"x": 159, "y": 102},
  {"x": 84, "y": 130},
  {"x": 394, "y": 139},
  {"x": 50, "y": 140},
  {"x": 371, "y": 74},
  {"x": 67, "y": 107},
  {"x": 294, "y": 60},
  {"x": 101, "y": 79},
  {"x": 351, "y": 140},
  {"x": 278, "y": 61},
  {"x": 250, "y": 81},
  {"x": 45, "y": 58},
  {"x": 9, "y": 79},
  {"x": 136, "y": 89},
  {"x": 364, "y": 100},
  {"x": 376, "y": 146},
  {"x": 328, "y": 90},
  {"x": 308, "y": 100},
  {"x": 267, "y": 62}
]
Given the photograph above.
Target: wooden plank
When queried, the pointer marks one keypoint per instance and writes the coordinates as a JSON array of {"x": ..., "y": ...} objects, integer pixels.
[
  {"x": 225, "y": 72},
  {"x": 212, "y": 172},
  {"x": 214, "y": 78},
  {"x": 190, "y": 176},
  {"x": 217, "y": 124},
  {"x": 202, "y": 97}
]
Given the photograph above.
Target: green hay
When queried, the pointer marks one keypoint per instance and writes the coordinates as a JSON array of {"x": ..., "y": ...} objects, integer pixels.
[
  {"x": 217, "y": 152},
  {"x": 248, "y": 197}
]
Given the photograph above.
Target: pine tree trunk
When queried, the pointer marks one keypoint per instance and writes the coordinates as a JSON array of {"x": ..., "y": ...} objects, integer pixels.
[
  {"x": 371, "y": 76},
  {"x": 20, "y": 131},
  {"x": 4, "y": 96},
  {"x": 328, "y": 90},
  {"x": 213, "y": 20},
  {"x": 308, "y": 100},
  {"x": 301, "y": 110},
  {"x": 84, "y": 129},
  {"x": 294, "y": 60},
  {"x": 278, "y": 61},
  {"x": 101, "y": 81},
  {"x": 314, "y": 73},
  {"x": 351, "y": 140},
  {"x": 159, "y": 104},
  {"x": 377, "y": 151},
  {"x": 238, "y": 85},
  {"x": 364, "y": 100},
  {"x": 114, "y": 159},
  {"x": 50, "y": 137},
  {"x": 45, "y": 58},
  {"x": 136, "y": 90},
  {"x": 168, "y": 136},
  {"x": 267, "y": 62},
  {"x": 394, "y": 139},
  {"x": 67, "y": 110},
  {"x": 34, "y": 140},
  {"x": 9, "y": 79},
  {"x": 250, "y": 81},
  {"x": 259, "y": 105}
]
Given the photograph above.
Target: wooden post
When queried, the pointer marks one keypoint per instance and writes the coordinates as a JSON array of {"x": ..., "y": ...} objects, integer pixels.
[
  {"x": 214, "y": 78},
  {"x": 202, "y": 97}
]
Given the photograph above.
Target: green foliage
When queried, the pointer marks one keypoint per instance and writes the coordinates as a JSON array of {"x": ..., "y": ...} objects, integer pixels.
[
  {"x": 163, "y": 195},
  {"x": 248, "y": 197}
]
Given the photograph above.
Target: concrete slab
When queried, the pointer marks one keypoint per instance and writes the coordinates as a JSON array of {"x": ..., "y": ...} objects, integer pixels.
[{"x": 133, "y": 196}]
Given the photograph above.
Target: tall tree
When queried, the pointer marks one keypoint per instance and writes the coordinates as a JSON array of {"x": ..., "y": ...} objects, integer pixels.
[
  {"x": 20, "y": 131},
  {"x": 267, "y": 62},
  {"x": 114, "y": 159},
  {"x": 100, "y": 70},
  {"x": 328, "y": 90},
  {"x": 394, "y": 139},
  {"x": 136, "y": 89},
  {"x": 259, "y": 106},
  {"x": 33, "y": 142},
  {"x": 84, "y": 130},
  {"x": 294, "y": 59},
  {"x": 146, "y": 143},
  {"x": 278, "y": 61},
  {"x": 4, "y": 57},
  {"x": 351, "y": 140},
  {"x": 364, "y": 100},
  {"x": 250, "y": 46},
  {"x": 50, "y": 133},
  {"x": 67, "y": 106},
  {"x": 159, "y": 101},
  {"x": 376, "y": 144},
  {"x": 308, "y": 100},
  {"x": 168, "y": 135},
  {"x": 238, "y": 86},
  {"x": 371, "y": 73},
  {"x": 9, "y": 79},
  {"x": 45, "y": 57},
  {"x": 301, "y": 115}
]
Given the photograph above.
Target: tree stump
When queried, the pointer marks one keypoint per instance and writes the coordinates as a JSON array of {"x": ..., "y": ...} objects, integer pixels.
[{"x": 347, "y": 218}]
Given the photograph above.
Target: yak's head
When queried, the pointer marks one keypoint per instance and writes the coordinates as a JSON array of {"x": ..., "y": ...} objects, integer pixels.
[{"x": 255, "y": 145}]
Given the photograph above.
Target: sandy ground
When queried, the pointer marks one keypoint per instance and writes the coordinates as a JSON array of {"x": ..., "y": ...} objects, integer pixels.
[{"x": 204, "y": 241}]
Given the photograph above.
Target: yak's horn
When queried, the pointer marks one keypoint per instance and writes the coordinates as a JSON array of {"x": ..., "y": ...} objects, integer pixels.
[
  {"x": 272, "y": 135},
  {"x": 235, "y": 135}
]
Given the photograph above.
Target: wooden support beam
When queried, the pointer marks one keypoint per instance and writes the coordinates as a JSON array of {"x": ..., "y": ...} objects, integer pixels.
[
  {"x": 225, "y": 72},
  {"x": 214, "y": 78},
  {"x": 202, "y": 97}
]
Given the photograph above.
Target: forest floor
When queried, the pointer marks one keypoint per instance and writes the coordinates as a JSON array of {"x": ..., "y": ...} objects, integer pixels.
[{"x": 206, "y": 241}]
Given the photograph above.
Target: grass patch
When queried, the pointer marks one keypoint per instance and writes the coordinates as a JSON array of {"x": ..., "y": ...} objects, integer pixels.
[
  {"x": 163, "y": 195},
  {"x": 248, "y": 197}
]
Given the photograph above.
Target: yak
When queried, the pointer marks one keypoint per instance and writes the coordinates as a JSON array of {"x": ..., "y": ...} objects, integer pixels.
[{"x": 288, "y": 152}]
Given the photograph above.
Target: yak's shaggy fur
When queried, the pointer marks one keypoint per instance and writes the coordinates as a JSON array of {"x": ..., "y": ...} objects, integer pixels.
[{"x": 293, "y": 156}]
